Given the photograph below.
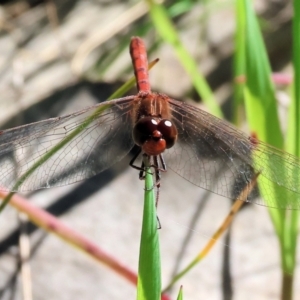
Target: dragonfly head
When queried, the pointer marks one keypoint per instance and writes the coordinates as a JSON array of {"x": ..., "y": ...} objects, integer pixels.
[{"x": 154, "y": 135}]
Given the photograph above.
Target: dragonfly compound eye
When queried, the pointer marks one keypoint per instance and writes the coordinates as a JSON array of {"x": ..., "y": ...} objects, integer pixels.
[
  {"x": 144, "y": 129},
  {"x": 168, "y": 131}
]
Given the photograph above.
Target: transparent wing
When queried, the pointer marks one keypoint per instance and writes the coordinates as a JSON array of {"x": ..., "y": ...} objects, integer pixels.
[
  {"x": 64, "y": 150},
  {"x": 213, "y": 155}
]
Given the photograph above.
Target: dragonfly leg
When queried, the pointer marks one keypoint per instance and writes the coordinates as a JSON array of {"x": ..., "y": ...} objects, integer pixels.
[
  {"x": 157, "y": 184},
  {"x": 142, "y": 171},
  {"x": 131, "y": 163},
  {"x": 163, "y": 163},
  {"x": 141, "y": 168},
  {"x": 158, "y": 222},
  {"x": 159, "y": 166}
]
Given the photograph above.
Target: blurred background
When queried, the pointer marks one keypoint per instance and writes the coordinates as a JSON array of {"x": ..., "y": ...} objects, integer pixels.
[{"x": 57, "y": 57}]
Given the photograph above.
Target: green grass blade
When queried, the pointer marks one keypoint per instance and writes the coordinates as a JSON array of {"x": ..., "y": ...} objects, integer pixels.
[
  {"x": 260, "y": 101},
  {"x": 264, "y": 123},
  {"x": 293, "y": 146},
  {"x": 239, "y": 62},
  {"x": 168, "y": 33},
  {"x": 293, "y": 139},
  {"x": 260, "y": 94},
  {"x": 180, "y": 294},
  {"x": 149, "y": 275},
  {"x": 296, "y": 125}
]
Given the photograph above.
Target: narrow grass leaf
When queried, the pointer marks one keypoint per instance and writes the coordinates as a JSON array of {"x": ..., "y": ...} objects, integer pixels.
[
  {"x": 264, "y": 123},
  {"x": 180, "y": 294},
  {"x": 293, "y": 146},
  {"x": 260, "y": 94},
  {"x": 168, "y": 33},
  {"x": 149, "y": 274},
  {"x": 260, "y": 100},
  {"x": 239, "y": 63}
]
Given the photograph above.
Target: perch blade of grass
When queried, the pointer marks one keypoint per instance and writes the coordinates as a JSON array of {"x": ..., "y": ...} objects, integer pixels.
[{"x": 149, "y": 274}]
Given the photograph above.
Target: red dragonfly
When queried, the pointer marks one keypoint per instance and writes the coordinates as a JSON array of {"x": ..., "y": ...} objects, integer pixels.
[{"x": 201, "y": 148}]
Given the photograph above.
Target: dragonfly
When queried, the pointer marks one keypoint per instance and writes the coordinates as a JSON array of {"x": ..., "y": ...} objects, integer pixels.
[{"x": 203, "y": 149}]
